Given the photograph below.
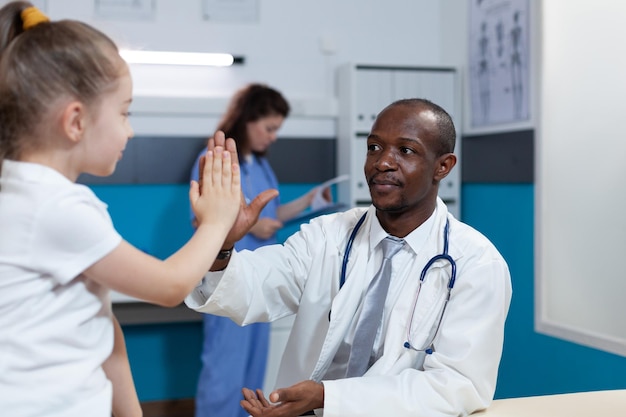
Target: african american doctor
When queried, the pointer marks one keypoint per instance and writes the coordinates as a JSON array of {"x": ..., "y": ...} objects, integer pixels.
[{"x": 430, "y": 357}]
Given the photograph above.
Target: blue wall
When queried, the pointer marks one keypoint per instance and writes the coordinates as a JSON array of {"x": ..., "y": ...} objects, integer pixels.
[
  {"x": 165, "y": 358},
  {"x": 532, "y": 364}
]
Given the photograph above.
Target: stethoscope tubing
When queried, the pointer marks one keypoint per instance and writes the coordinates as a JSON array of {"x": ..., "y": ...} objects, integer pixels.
[
  {"x": 442, "y": 256},
  {"x": 346, "y": 255}
]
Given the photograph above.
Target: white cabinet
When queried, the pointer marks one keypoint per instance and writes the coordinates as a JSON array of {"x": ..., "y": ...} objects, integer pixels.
[{"x": 363, "y": 91}]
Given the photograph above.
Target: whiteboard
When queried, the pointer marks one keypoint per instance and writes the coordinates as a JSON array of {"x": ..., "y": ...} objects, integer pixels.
[{"x": 580, "y": 204}]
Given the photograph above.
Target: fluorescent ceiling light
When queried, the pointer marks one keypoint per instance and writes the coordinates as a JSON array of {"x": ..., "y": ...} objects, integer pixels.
[{"x": 177, "y": 58}]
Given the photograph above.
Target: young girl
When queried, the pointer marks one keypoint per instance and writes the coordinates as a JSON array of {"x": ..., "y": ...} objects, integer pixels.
[{"x": 64, "y": 98}]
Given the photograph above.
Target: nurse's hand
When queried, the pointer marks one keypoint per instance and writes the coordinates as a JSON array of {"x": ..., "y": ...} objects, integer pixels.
[
  {"x": 266, "y": 227},
  {"x": 286, "y": 402}
]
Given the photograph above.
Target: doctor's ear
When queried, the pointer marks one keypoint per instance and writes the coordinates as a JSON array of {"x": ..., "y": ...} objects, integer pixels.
[{"x": 444, "y": 165}]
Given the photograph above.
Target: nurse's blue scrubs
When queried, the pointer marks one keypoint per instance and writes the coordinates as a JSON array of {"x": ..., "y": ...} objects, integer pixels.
[{"x": 234, "y": 357}]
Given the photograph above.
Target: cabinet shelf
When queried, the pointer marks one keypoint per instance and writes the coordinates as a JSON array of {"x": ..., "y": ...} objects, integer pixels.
[{"x": 363, "y": 91}]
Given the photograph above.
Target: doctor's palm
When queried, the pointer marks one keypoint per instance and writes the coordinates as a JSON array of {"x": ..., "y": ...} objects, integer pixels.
[{"x": 248, "y": 216}]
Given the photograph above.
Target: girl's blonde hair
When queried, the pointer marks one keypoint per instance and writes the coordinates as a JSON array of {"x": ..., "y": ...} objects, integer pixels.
[{"x": 43, "y": 63}]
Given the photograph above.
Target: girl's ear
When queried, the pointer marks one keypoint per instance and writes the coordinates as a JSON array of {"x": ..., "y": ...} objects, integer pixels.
[{"x": 74, "y": 121}]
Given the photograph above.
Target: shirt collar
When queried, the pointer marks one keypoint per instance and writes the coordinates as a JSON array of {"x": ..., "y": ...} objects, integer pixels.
[
  {"x": 415, "y": 240},
  {"x": 31, "y": 172}
]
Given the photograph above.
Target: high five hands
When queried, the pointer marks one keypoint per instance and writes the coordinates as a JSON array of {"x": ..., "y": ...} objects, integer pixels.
[
  {"x": 248, "y": 213},
  {"x": 285, "y": 402}
]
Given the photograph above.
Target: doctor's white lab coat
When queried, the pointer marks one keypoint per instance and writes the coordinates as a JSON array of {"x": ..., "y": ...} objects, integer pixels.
[{"x": 302, "y": 277}]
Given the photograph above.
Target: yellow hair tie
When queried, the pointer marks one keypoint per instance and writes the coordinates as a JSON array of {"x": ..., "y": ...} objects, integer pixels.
[{"x": 32, "y": 16}]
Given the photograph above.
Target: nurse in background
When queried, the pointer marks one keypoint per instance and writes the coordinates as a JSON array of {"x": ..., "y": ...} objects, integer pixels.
[{"x": 233, "y": 356}]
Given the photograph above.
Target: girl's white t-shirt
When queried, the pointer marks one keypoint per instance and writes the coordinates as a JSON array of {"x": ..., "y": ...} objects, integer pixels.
[{"x": 55, "y": 325}]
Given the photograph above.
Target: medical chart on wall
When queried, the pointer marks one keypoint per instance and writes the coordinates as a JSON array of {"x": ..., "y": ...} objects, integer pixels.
[{"x": 499, "y": 67}]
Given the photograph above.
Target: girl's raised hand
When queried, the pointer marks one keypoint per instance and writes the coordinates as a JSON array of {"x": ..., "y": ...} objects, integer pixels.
[
  {"x": 248, "y": 214},
  {"x": 216, "y": 197}
]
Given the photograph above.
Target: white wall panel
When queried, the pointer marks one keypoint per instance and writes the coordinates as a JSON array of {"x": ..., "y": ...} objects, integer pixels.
[{"x": 581, "y": 174}]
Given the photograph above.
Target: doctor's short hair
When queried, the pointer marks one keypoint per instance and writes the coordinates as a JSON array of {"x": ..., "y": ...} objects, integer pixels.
[{"x": 447, "y": 131}]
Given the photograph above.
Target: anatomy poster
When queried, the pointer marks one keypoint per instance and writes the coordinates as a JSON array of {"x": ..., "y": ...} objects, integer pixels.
[{"x": 499, "y": 66}]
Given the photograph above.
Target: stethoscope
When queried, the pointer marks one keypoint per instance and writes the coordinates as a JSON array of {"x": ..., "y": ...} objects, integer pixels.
[{"x": 428, "y": 346}]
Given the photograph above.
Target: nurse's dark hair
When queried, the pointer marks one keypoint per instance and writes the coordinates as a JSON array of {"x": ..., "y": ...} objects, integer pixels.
[
  {"x": 43, "y": 64},
  {"x": 445, "y": 125},
  {"x": 249, "y": 104}
]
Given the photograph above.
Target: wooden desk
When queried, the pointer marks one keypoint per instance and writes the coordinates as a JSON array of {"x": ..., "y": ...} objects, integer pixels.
[{"x": 583, "y": 404}]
